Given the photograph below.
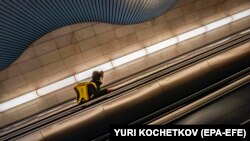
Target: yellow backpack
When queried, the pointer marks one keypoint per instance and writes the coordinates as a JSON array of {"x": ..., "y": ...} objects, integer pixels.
[{"x": 82, "y": 91}]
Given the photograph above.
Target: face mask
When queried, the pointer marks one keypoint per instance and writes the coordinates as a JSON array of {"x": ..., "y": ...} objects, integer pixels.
[{"x": 101, "y": 78}]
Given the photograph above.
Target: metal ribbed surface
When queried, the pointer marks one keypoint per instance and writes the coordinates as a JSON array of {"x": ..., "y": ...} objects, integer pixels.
[{"x": 24, "y": 21}]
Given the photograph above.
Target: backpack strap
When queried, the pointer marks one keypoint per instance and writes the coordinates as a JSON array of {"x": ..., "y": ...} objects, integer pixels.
[{"x": 93, "y": 83}]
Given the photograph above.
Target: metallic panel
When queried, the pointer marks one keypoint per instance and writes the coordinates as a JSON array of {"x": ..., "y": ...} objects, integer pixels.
[
  {"x": 231, "y": 109},
  {"x": 78, "y": 127},
  {"x": 233, "y": 61},
  {"x": 129, "y": 105}
]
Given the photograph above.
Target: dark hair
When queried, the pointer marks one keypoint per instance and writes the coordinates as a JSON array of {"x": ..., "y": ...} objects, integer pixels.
[{"x": 96, "y": 75}]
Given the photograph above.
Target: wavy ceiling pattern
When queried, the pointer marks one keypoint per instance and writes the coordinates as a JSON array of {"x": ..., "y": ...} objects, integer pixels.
[{"x": 24, "y": 21}]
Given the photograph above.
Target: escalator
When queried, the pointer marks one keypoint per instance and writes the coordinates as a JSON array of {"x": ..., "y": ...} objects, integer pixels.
[
  {"x": 226, "y": 105},
  {"x": 144, "y": 84},
  {"x": 230, "y": 109}
]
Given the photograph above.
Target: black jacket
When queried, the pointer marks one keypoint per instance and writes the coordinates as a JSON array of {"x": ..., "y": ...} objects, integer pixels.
[{"x": 96, "y": 91}]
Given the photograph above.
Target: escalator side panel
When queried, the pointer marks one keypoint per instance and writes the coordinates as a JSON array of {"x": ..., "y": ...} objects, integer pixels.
[
  {"x": 133, "y": 105},
  {"x": 178, "y": 85},
  {"x": 232, "y": 62},
  {"x": 81, "y": 126},
  {"x": 231, "y": 109}
]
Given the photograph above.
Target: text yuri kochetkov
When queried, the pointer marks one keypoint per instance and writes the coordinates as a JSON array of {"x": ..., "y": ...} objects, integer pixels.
[{"x": 156, "y": 132}]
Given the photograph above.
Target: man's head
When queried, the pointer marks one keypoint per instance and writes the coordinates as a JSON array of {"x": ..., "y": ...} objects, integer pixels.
[{"x": 97, "y": 75}]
